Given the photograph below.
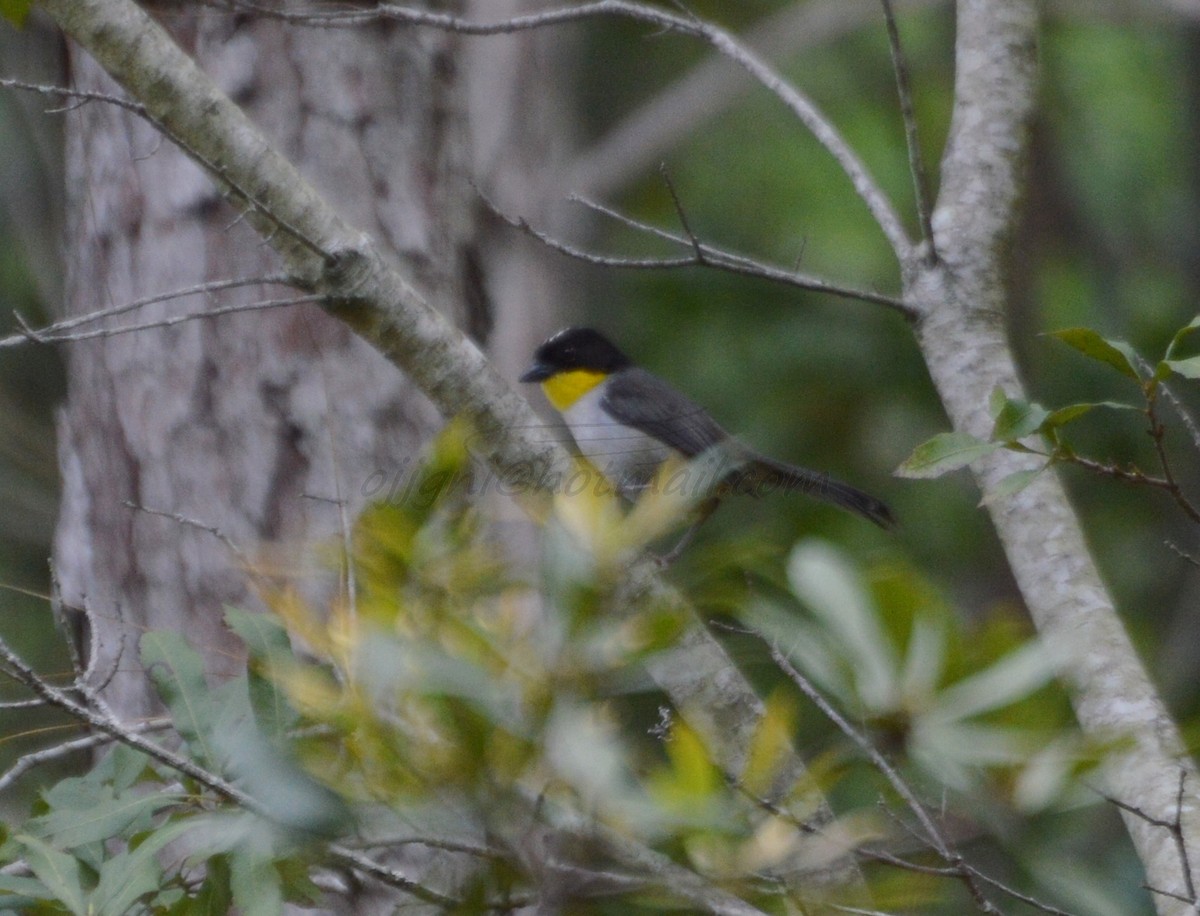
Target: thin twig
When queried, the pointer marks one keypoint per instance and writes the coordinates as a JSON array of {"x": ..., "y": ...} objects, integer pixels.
[
  {"x": 1181, "y": 553},
  {"x": 662, "y": 122},
  {"x": 22, "y": 704},
  {"x": 697, "y": 249},
  {"x": 916, "y": 160},
  {"x": 933, "y": 836},
  {"x": 1174, "y": 826},
  {"x": 214, "y": 168},
  {"x": 58, "y": 614},
  {"x": 67, "y": 92},
  {"x": 27, "y": 762},
  {"x": 1185, "y": 415},
  {"x": 803, "y": 108},
  {"x": 1158, "y": 434},
  {"x": 230, "y": 544},
  {"x": 709, "y": 257},
  {"x": 105, "y": 722},
  {"x": 68, "y": 324},
  {"x": 471, "y": 849},
  {"x": 262, "y": 305}
]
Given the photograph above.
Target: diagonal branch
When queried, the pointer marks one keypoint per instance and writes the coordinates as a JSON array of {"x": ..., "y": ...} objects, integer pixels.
[
  {"x": 702, "y": 254},
  {"x": 645, "y": 135},
  {"x": 724, "y": 42},
  {"x": 365, "y": 289},
  {"x": 912, "y": 140}
]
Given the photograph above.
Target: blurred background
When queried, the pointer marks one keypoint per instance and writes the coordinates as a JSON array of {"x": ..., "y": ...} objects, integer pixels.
[{"x": 1110, "y": 239}]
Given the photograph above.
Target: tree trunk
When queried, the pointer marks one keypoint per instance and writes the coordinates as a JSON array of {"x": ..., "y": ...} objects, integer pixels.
[
  {"x": 962, "y": 297},
  {"x": 259, "y": 424}
]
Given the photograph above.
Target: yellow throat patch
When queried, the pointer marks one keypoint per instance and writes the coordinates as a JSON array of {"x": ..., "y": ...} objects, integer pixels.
[{"x": 565, "y": 388}]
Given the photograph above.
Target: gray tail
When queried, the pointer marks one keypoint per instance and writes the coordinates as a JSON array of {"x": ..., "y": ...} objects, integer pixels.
[{"x": 766, "y": 472}]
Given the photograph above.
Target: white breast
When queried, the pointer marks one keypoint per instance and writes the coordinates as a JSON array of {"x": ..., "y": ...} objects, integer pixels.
[{"x": 624, "y": 455}]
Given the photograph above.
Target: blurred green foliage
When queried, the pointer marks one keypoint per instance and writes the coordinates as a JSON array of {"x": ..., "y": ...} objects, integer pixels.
[
  {"x": 442, "y": 705},
  {"x": 1110, "y": 241}
]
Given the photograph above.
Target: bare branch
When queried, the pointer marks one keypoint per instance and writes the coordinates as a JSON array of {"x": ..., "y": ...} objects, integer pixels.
[
  {"x": 105, "y": 722},
  {"x": 644, "y": 136},
  {"x": 709, "y": 256},
  {"x": 1181, "y": 553},
  {"x": 1175, "y": 827},
  {"x": 142, "y": 112},
  {"x": 75, "y": 94},
  {"x": 216, "y": 532},
  {"x": 916, "y": 161},
  {"x": 725, "y": 43},
  {"x": 933, "y": 835},
  {"x": 48, "y": 336},
  {"x": 27, "y": 762},
  {"x": 1158, "y": 435},
  {"x": 1185, "y": 415},
  {"x": 22, "y": 704},
  {"x": 201, "y": 289},
  {"x": 682, "y": 214}
]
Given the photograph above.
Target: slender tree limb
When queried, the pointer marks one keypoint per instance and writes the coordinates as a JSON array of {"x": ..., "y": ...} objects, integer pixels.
[
  {"x": 226, "y": 541},
  {"x": 705, "y": 256},
  {"x": 111, "y": 729},
  {"x": 27, "y": 762},
  {"x": 1158, "y": 434},
  {"x": 68, "y": 324},
  {"x": 643, "y": 137},
  {"x": 912, "y": 139},
  {"x": 1175, "y": 827},
  {"x": 75, "y": 95},
  {"x": 22, "y": 704},
  {"x": 932, "y": 835},
  {"x": 722, "y": 41},
  {"x": 1185, "y": 415},
  {"x": 364, "y": 288},
  {"x": 51, "y": 335}
]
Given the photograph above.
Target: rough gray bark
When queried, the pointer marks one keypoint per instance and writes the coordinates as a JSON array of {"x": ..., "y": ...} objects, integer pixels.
[
  {"x": 237, "y": 421},
  {"x": 962, "y": 297},
  {"x": 364, "y": 288}
]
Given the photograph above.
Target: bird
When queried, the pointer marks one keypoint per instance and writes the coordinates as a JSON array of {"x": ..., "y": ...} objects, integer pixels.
[{"x": 627, "y": 422}]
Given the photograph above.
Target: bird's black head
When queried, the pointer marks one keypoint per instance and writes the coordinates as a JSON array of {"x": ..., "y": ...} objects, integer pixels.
[{"x": 575, "y": 348}]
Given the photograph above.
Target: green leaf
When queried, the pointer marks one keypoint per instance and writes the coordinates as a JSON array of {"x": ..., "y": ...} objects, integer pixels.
[
  {"x": 1013, "y": 483},
  {"x": 830, "y": 586},
  {"x": 16, "y": 885},
  {"x": 1188, "y": 368},
  {"x": 128, "y": 876},
  {"x": 1115, "y": 353},
  {"x": 943, "y": 453},
  {"x": 178, "y": 672},
  {"x": 1018, "y": 419},
  {"x": 924, "y": 660},
  {"x": 255, "y": 886},
  {"x": 996, "y": 401},
  {"x": 270, "y": 773},
  {"x": 264, "y": 634},
  {"x": 16, "y": 11},
  {"x": 1013, "y": 677},
  {"x": 268, "y": 642},
  {"x": 214, "y": 897},
  {"x": 68, "y": 828},
  {"x": 57, "y": 870},
  {"x": 1179, "y": 338},
  {"x": 1073, "y": 412}
]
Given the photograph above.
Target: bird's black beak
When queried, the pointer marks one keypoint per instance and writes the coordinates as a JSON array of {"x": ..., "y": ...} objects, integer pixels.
[{"x": 537, "y": 372}]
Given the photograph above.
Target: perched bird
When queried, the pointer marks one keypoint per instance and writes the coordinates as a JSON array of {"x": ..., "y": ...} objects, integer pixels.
[{"x": 627, "y": 422}]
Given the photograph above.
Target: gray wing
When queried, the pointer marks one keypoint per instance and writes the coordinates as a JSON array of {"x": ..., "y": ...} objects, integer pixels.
[{"x": 639, "y": 399}]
